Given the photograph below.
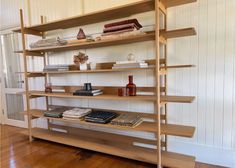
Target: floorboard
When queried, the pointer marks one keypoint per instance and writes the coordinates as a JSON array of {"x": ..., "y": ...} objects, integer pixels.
[{"x": 18, "y": 152}]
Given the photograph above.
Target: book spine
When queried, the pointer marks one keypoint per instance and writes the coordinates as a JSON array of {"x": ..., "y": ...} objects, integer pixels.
[{"x": 135, "y": 21}]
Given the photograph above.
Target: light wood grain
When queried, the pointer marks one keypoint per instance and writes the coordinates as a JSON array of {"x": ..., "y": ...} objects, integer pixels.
[
  {"x": 178, "y": 33},
  {"x": 172, "y": 3},
  {"x": 94, "y": 17},
  {"x": 119, "y": 41},
  {"x": 169, "y": 129},
  {"x": 174, "y": 99},
  {"x": 168, "y": 159}
]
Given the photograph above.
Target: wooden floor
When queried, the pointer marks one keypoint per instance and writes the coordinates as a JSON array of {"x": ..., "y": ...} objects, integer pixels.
[{"x": 18, "y": 152}]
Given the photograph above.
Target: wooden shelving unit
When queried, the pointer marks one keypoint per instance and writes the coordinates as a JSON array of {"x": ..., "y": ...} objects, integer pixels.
[{"x": 104, "y": 141}]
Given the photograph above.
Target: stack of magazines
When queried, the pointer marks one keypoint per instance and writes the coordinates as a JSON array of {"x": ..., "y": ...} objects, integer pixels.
[
  {"x": 56, "y": 68},
  {"x": 93, "y": 92},
  {"x": 48, "y": 42},
  {"x": 130, "y": 64},
  {"x": 129, "y": 120},
  {"x": 101, "y": 117},
  {"x": 56, "y": 113},
  {"x": 76, "y": 113}
]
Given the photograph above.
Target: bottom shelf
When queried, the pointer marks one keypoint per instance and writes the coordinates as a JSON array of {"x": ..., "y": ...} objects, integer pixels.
[{"x": 169, "y": 159}]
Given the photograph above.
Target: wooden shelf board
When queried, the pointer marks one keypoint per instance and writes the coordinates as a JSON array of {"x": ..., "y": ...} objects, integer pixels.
[
  {"x": 37, "y": 113},
  {"x": 172, "y": 3},
  {"x": 149, "y": 36},
  {"x": 175, "y": 99},
  {"x": 146, "y": 155},
  {"x": 96, "y": 44},
  {"x": 178, "y": 66},
  {"x": 178, "y": 33},
  {"x": 99, "y": 97},
  {"x": 178, "y": 99},
  {"x": 162, "y": 71},
  {"x": 94, "y": 17},
  {"x": 168, "y": 129},
  {"x": 94, "y": 71}
]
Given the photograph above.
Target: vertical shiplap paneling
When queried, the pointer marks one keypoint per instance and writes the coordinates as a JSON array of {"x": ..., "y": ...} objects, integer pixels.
[
  {"x": 202, "y": 70},
  {"x": 210, "y": 73},
  {"x": 212, "y": 51},
  {"x": 228, "y": 75},
  {"x": 219, "y": 76},
  {"x": 9, "y": 16},
  {"x": 233, "y": 90},
  {"x": 194, "y": 22}
]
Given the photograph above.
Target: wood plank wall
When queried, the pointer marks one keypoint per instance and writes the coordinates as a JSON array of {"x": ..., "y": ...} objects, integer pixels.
[{"x": 212, "y": 51}]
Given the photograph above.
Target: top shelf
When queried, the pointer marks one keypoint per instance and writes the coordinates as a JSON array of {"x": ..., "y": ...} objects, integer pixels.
[{"x": 103, "y": 15}]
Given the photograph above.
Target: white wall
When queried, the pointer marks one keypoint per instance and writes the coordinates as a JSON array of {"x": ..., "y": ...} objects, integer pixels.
[{"x": 212, "y": 81}]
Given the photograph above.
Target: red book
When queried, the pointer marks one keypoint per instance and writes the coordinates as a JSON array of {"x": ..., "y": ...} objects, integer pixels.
[
  {"x": 124, "y": 22},
  {"x": 121, "y": 27}
]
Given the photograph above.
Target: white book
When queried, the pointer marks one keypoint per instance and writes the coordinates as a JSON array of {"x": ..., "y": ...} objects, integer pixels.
[
  {"x": 129, "y": 62},
  {"x": 117, "y": 67}
]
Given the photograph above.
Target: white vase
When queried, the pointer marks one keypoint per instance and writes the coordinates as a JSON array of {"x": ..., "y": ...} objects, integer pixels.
[{"x": 83, "y": 66}]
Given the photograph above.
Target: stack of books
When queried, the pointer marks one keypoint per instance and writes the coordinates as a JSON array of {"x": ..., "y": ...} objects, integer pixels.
[
  {"x": 56, "y": 113},
  {"x": 56, "y": 68},
  {"x": 130, "y": 64},
  {"x": 76, "y": 113},
  {"x": 101, "y": 117},
  {"x": 94, "y": 92},
  {"x": 129, "y": 120},
  {"x": 118, "y": 29}
]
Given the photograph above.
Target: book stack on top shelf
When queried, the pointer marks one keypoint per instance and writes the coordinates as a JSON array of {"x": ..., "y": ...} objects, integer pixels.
[{"x": 123, "y": 28}]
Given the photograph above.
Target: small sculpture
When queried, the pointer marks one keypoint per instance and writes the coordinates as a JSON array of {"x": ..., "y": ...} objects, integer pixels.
[{"x": 81, "y": 35}]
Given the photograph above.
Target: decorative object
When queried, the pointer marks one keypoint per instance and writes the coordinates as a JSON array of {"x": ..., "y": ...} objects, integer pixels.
[
  {"x": 88, "y": 91},
  {"x": 123, "y": 91},
  {"x": 131, "y": 86},
  {"x": 48, "y": 88},
  {"x": 131, "y": 57},
  {"x": 81, "y": 61},
  {"x": 87, "y": 87},
  {"x": 81, "y": 35},
  {"x": 92, "y": 65}
]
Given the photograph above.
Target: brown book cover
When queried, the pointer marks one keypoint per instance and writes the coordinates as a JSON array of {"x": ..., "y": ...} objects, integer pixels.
[{"x": 135, "y": 21}]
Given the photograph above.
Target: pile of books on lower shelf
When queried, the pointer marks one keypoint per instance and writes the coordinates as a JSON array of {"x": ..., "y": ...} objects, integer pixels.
[
  {"x": 130, "y": 64},
  {"x": 102, "y": 117},
  {"x": 95, "y": 116},
  {"x": 130, "y": 120},
  {"x": 61, "y": 67},
  {"x": 76, "y": 113}
]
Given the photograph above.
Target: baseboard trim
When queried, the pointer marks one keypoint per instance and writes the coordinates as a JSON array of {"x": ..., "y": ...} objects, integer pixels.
[{"x": 205, "y": 154}]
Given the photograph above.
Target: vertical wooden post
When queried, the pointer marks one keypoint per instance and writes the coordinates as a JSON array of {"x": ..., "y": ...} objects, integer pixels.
[
  {"x": 157, "y": 102},
  {"x": 46, "y": 77},
  {"x": 26, "y": 75},
  {"x": 165, "y": 76},
  {"x": 45, "y": 63}
]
